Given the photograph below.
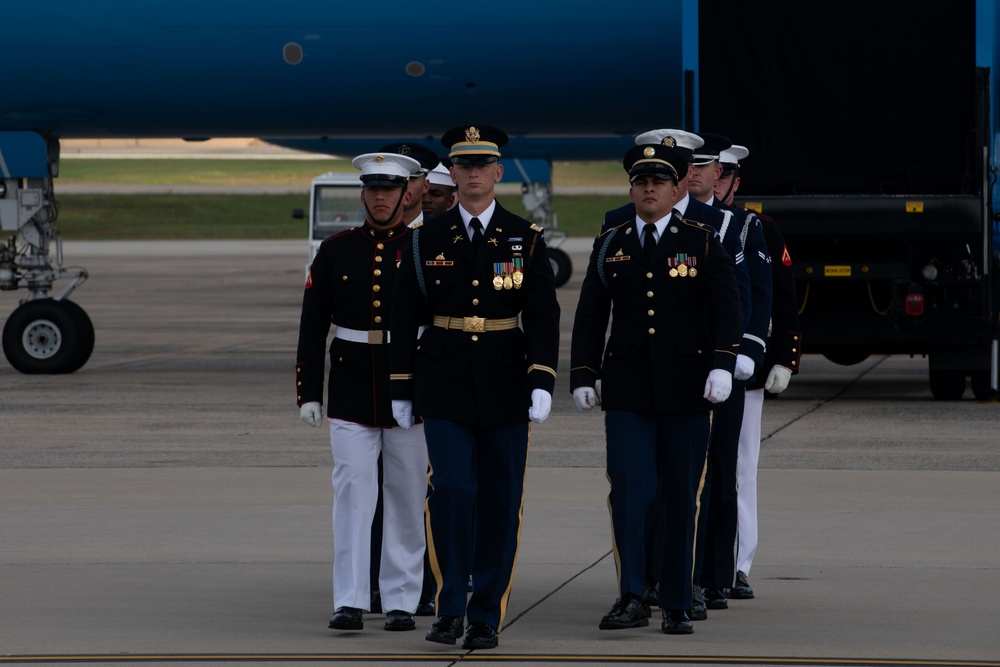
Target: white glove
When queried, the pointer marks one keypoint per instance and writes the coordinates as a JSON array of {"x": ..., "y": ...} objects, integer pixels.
[
  {"x": 777, "y": 379},
  {"x": 402, "y": 412},
  {"x": 597, "y": 390},
  {"x": 541, "y": 404},
  {"x": 311, "y": 413},
  {"x": 718, "y": 385},
  {"x": 585, "y": 397},
  {"x": 744, "y": 367}
]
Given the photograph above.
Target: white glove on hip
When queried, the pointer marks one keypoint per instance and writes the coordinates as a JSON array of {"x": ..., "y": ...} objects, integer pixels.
[
  {"x": 585, "y": 397},
  {"x": 402, "y": 412},
  {"x": 718, "y": 385},
  {"x": 777, "y": 379},
  {"x": 744, "y": 367},
  {"x": 541, "y": 405},
  {"x": 311, "y": 413}
]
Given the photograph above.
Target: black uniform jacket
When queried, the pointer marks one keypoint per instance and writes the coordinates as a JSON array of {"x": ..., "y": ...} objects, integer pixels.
[
  {"x": 667, "y": 331},
  {"x": 472, "y": 377},
  {"x": 350, "y": 285},
  {"x": 713, "y": 217},
  {"x": 784, "y": 347},
  {"x": 746, "y": 227}
]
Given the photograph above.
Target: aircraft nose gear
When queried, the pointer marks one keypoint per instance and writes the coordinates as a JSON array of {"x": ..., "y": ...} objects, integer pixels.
[{"x": 44, "y": 334}]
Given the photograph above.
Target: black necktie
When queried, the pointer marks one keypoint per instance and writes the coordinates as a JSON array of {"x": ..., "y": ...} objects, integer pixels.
[
  {"x": 477, "y": 233},
  {"x": 648, "y": 241}
]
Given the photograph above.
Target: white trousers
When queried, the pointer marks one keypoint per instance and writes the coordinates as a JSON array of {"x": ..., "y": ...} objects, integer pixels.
[
  {"x": 746, "y": 480},
  {"x": 355, "y": 493}
]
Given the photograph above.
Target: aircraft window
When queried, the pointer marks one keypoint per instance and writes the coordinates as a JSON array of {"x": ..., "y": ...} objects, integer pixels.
[
  {"x": 292, "y": 53},
  {"x": 415, "y": 68}
]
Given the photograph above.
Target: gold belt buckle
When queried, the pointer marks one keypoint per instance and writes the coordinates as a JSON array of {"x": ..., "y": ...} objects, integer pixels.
[
  {"x": 375, "y": 336},
  {"x": 473, "y": 324}
]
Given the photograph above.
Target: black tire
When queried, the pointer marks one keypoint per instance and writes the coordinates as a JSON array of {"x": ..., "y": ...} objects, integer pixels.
[
  {"x": 562, "y": 266},
  {"x": 981, "y": 388},
  {"x": 846, "y": 356},
  {"x": 46, "y": 336},
  {"x": 947, "y": 385}
]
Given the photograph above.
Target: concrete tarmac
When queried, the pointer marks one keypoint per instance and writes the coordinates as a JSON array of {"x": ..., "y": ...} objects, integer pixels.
[{"x": 165, "y": 504}]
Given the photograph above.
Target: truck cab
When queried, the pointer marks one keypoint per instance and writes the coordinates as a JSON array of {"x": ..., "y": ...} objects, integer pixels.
[{"x": 334, "y": 205}]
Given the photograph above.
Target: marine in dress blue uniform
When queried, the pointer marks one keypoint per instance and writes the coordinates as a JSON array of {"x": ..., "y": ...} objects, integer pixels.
[
  {"x": 483, "y": 367},
  {"x": 350, "y": 286},
  {"x": 669, "y": 358},
  {"x": 715, "y": 564}
]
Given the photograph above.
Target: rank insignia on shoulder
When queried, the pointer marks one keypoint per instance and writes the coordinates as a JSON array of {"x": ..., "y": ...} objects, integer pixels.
[
  {"x": 536, "y": 227},
  {"x": 416, "y": 225}
]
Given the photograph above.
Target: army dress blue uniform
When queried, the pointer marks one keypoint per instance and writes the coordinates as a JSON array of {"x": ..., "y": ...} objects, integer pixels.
[
  {"x": 492, "y": 336},
  {"x": 350, "y": 287},
  {"x": 676, "y": 318}
]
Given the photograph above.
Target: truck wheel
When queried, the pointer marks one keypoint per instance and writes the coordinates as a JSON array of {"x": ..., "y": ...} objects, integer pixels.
[
  {"x": 947, "y": 385},
  {"x": 981, "y": 388},
  {"x": 846, "y": 356},
  {"x": 562, "y": 266},
  {"x": 48, "y": 336}
]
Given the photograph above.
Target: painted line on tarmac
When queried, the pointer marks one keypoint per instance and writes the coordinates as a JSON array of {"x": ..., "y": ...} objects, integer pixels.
[{"x": 473, "y": 657}]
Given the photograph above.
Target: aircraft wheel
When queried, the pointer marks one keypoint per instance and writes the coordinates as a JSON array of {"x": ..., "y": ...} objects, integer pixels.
[
  {"x": 947, "y": 385},
  {"x": 562, "y": 265},
  {"x": 48, "y": 336}
]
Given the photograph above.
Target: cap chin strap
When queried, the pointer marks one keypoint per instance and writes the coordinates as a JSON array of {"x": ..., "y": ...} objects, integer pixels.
[
  {"x": 732, "y": 183},
  {"x": 392, "y": 215}
]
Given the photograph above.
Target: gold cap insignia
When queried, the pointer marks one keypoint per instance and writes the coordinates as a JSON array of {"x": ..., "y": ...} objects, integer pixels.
[
  {"x": 669, "y": 142},
  {"x": 379, "y": 158},
  {"x": 472, "y": 134},
  {"x": 649, "y": 152}
]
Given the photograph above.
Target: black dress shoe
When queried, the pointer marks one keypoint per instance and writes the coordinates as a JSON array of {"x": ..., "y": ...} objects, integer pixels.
[
  {"x": 698, "y": 612},
  {"x": 716, "y": 599},
  {"x": 742, "y": 590},
  {"x": 480, "y": 635},
  {"x": 347, "y": 618},
  {"x": 446, "y": 629},
  {"x": 628, "y": 612},
  {"x": 399, "y": 620},
  {"x": 676, "y": 622},
  {"x": 426, "y": 609}
]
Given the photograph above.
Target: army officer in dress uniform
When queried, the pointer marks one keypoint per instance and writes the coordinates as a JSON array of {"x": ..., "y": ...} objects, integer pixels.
[
  {"x": 671, "y": 353},
  {"x": 478, "y": 277},
  {"x": 350, "y": 286}
]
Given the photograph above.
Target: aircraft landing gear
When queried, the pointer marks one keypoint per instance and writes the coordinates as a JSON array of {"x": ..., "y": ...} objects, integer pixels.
[
  {"x": 45, "y": 334},
  {"x": 536, "y": 195},
  {"x": 48, "y": 336}
]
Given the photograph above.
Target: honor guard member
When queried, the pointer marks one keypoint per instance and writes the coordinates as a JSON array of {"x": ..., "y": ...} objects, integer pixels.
[
  {"x": 350, "y": 286},
  {"x": 669, "y": 359},
  {"x": 479, "y": 279},
  {"x": 784, "y": 350},
  {"x": 715, "y": 561},
  {"x": 688, "y": 208},
  {"x": 442, "y": 193},
  {"x": 417, "y": 186}
]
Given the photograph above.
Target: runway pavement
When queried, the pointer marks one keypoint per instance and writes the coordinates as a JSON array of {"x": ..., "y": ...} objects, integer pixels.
[{"x": 165, "y": 504}]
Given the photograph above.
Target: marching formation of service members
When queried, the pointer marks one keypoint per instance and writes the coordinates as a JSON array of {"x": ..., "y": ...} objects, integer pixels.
[{"x": 445, "y": 351}]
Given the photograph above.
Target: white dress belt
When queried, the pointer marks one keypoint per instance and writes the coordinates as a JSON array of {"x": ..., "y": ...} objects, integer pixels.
[{"x": 373, "y": 337}]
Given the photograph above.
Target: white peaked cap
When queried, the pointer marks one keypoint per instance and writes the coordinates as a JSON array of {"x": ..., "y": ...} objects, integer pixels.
[
  {"x": 733, "y": 154},
  {"x": 440, "y": 175},
  {"x": 385, "y": 164},
  {"x": 682, "y": 139}
]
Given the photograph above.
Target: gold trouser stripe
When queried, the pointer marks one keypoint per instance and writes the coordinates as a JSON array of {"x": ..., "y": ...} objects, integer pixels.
[
  {"x": 475, "y": 324},
  {"x": 517, "y": 546},
  {"x": 697, "y": 498},
  {"x": 432, "y": 559}
]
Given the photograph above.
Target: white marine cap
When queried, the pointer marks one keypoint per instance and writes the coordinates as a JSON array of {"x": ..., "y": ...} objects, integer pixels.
[
  {"x": 733, "y": 154},
  {"x": 686, "y": 141},
  {"x": 440, "y": 175},
  {"x": 385, "y": 169}
]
